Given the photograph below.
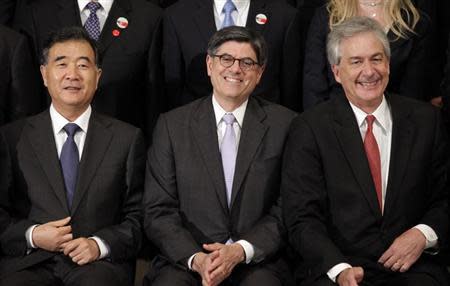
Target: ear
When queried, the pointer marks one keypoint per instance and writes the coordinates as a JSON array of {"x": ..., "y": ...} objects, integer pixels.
[
  {"x": 44, "y": 74},
  {"x": 335, "y": 69},
  {"x": 209, "y": 62},
  {"x": 99, "y": 73},
  {"x": 260, "y": 72}
]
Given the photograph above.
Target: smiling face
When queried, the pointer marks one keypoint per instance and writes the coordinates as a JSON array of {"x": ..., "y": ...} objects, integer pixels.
[
  {"x": 363, "y": 70},
  {"x": 232, "y": 86},
  {"x": 71, "y": 77}
]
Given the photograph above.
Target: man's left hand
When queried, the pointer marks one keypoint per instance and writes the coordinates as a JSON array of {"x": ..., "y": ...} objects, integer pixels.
[
  {"x": 404, "y": 251},
  {"x": 82, "y": 250},
  {"x": 228, "y": 257}
]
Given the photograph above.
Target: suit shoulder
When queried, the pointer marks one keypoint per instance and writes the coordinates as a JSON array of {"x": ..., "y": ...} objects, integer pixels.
[
  {"x": 119, "y": 127},
  {"x": 145, "y": 7},
  {"x": 275, "y": 111}
]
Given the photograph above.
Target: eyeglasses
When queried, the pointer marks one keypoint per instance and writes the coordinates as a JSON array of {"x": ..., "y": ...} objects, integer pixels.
[{"x": 227, "y": 61}]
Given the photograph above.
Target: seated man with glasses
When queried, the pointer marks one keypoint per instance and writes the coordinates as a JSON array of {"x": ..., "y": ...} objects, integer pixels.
[{"x": 211, "y": 202}]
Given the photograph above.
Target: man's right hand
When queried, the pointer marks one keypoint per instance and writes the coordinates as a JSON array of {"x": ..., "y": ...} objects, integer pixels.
[
  {"x": 51, "y": 235},
  {"x": 350, "y": 277}
]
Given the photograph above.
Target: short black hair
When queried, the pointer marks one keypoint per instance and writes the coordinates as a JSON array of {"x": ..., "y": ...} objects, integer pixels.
[
  {"x": 69, "y": 34},
  {"x": 241, "y": 35}
]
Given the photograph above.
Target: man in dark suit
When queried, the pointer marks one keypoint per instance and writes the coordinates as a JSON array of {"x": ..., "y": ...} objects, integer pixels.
[
  {"x": 18, "y": 83},
  {"x": 128, "y": 45},
  {"x": 72, "y": 181},
  {"x": 211, "y": 203},
  {"x": 365, "y": 175},
  {"x": 189, "y": 24}
]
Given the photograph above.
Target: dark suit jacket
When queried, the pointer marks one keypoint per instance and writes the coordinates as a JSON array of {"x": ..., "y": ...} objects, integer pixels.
[
  {"x": 188, "y": 26},
  {"x": 185, "y": 199},
  {"x": 329, "y": 199},
  {"x": 107, "y": 199},
  {"x": 18, "y": 82},
  {"x": 411, "y": 64},
  {"x": 7, "y": 8},
  {"x": 128, "y": 88}
]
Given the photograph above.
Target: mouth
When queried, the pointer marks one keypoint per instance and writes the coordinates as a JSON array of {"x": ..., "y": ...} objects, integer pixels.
[
  {"x": 72, "y": 88},
  {"x": 368, "y": 84},
  {"x": 233, "y": 80}
]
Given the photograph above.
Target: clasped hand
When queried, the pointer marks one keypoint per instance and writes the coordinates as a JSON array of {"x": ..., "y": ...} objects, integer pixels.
[
  {"x": 217, "y": 265},
  {"x": 56, "y": 236}
]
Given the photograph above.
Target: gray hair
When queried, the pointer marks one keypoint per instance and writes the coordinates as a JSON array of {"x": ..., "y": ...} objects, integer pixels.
[
  {"x": 241, "y": 35},
  {"x": 350, "y": 28}
]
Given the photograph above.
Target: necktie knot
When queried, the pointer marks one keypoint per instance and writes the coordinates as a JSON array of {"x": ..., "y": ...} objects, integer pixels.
[
  {"x": 228, "y": 118},
  {"x": 370, "y": 119},
  {"x": 93, "y": 6},
  {"x": 71, "y": 129}
]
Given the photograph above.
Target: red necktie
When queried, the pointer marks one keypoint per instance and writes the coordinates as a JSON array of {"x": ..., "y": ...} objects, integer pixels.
[{"x": 373, "y": 156}]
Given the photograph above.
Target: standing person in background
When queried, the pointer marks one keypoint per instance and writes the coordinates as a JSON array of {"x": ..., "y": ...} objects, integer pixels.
[
  {"x": 19, "y": 96},
  {"x": 189, "y": 24},
  {"x": 410, "y": 36},
  {"x": 128, "y": 35}
]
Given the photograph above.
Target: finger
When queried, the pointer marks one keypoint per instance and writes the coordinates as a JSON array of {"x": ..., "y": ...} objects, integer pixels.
[
  {"x": 386, "y": 255},
  {"x": 359, "y": 273},
  {"x": 65, "y": 229},
  {"x": 391, "y": 261},
  {"x": 396, "y": 266},
  {"x": 69, "y": 247},
  {"x": 61, "y": 222},
  {"x": 67, "y": 238},
  {"x": 213, "y": 246},
  {"x": 405, "y": 267}
]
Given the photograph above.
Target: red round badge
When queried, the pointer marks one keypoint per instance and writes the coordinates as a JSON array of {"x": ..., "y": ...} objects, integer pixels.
[{"x": 116, "y": 33}]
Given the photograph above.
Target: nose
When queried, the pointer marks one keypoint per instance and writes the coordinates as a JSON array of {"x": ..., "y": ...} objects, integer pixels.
[
  {"x": 72, "y": 72},
  {"x": 368, "y": 69},
  {"x": 235, "y": 67}
]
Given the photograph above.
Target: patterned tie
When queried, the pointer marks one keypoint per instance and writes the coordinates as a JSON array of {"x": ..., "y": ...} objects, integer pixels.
[
  {"x": 228, "y": 8},
  {"x": 92, "y": 24},
  {"x": 228, "y": 151},
  {"x": 69, "y": 161},
  {"x": 373, "y": 156}
]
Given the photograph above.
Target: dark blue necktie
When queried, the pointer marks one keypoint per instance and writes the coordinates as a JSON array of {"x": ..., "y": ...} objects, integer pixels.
[
  {"x": 92, "y": 24},
  {"x": 69, "y": 161}
]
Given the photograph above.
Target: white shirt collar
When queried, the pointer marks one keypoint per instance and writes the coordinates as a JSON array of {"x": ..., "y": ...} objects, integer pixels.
[
  {"x": 106, "y": 4},
  {"x": 59, "y": 121},
  {"x": 382, "y": 115},
  {"x": 240, "y": 5},
  {"x": 238, "y": 112}
]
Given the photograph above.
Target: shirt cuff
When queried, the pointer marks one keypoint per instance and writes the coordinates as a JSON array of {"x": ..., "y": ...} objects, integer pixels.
[
  {"x": 190, "y": 261},
  {"x": 29, "y": 237},
  {"x": 249, "y": 250},
  {"x": 336, "y": 270},
  {"x": 430, "y": 235},
  {"x": 102, "y": 246}
]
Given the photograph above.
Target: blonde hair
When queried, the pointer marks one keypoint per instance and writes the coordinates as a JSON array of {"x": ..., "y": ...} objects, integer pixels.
[{"x": 402, "y": 14}]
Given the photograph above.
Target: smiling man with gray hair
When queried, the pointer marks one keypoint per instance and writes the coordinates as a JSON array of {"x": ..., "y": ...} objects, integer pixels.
[{"x": 365, "y": 176}]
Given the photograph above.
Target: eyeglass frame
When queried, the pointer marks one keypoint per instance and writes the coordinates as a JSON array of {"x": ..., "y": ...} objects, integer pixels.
[{"x": 243, "y": 68}]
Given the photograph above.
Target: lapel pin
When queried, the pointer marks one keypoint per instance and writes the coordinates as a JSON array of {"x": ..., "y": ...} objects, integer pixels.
[
  {"x": 261, "y": 19},
  {"x": 122, "y": 22},
  {"x": 115, "y": 33}
]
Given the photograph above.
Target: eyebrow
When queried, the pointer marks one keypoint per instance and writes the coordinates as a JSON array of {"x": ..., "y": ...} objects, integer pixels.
[{"x": 80, "y": 58}]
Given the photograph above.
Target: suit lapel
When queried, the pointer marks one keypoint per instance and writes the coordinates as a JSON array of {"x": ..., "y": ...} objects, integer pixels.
[
  {"x": 258, "y": 7},
  {"x": 402, "y": 136},
  {"x": 97, "y": 142},
  {"x": 120, "y": 8},
  {"x": 204, "y": 131},
  {"x": 43, "y": 143},
  {"x": 349, "y": 138},
  {"x": 204, "y": 18},
  {"x": 253, "y": 131}
]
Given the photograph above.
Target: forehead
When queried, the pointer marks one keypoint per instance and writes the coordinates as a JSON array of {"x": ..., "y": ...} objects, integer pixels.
[
  {"x": 72, "y": 49},
  {"x": 361, "y": 45},
  {"x": 237, "y": 49}
]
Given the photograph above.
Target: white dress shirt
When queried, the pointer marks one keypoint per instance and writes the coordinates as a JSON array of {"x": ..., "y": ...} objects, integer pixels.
[
  {"x": 58, "y": 123},
  {"x": 238, "y": 113},
  {"x": 382, "y": 130},
  {"x": 102, "y": 13},
  {"x": 239, "y": 16}
]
